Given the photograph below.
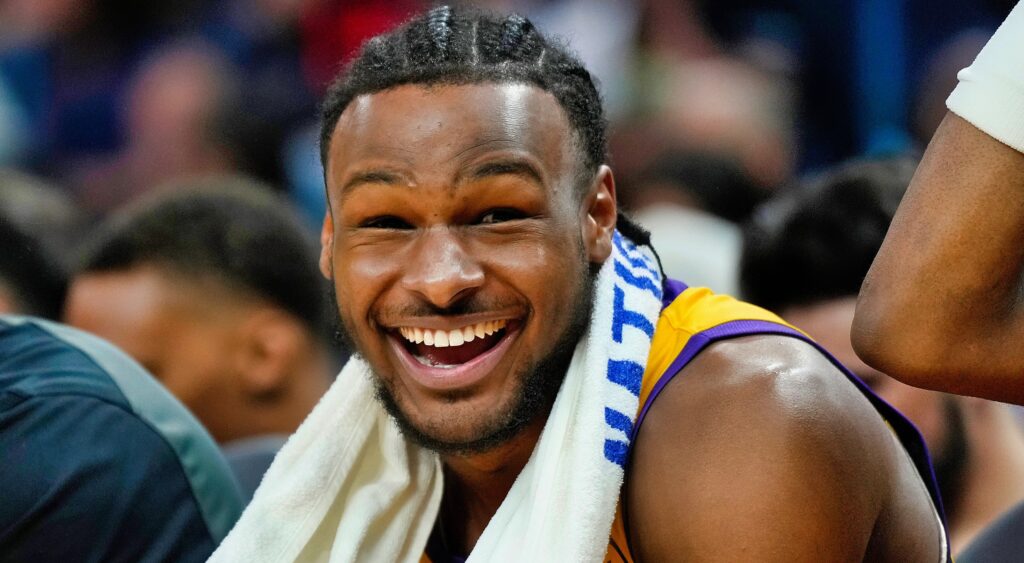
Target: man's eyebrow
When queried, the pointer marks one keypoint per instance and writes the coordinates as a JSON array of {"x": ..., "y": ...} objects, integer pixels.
[
  {"x": 368, "y": 177},
  {"x": 515, "y": 167}
]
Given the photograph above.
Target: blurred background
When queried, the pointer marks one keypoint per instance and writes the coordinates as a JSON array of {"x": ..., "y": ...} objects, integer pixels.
[{"x": 108, "y": 99}]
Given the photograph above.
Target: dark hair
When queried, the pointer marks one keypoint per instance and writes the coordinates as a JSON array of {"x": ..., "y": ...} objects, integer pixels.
[
  {"x": 719, "y": 184},
  {"x": 31, "y": 272},
  {"x": 230, "y": 230},
  {"x": 449, "y": 46},
  {"x": 818, "y": 241}
]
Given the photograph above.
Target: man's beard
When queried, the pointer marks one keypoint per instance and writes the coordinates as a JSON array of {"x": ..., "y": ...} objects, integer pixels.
[{"x": 541, "y": 381}]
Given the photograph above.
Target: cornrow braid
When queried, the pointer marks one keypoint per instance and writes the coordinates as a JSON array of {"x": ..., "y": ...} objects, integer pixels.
[
  {"x": 439, "y": 23},
  {"x": 449, "y": 46}
]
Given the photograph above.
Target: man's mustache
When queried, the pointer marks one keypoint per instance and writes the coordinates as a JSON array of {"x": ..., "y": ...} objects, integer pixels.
[{"x": 468, "y": 306}]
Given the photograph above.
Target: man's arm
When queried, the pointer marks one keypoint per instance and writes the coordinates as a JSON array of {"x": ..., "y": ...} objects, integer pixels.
[
  {"x": 760, "y": 450},
  {"x": 942, "y": 307}
]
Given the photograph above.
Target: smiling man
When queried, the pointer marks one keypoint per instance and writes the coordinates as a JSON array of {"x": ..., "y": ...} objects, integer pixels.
[{"x": 550, "y": 396}]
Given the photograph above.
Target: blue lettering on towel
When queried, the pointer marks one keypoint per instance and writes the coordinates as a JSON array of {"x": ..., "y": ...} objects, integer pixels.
[
  {"x": 622, "y": 317},
  {"x": 632, "y": 255},
  {"x": 616, "y": 451},
  {"x": 627, "y": 374},
  {"x": 618, "y": 421},
  {"x": 638, "y": 282}
]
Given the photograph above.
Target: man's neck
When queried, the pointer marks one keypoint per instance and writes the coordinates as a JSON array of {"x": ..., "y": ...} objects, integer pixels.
[{"x": 476, "y": 485}]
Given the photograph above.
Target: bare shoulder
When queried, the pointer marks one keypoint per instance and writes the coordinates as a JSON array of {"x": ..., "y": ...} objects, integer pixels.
[{"x": 762, "y": 449}]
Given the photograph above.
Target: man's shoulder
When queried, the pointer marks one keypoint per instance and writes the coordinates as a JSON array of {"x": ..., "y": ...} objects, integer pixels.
[
  {"x": 713, "y": 353},
  {"x": 758, "y": 432},
  {"x": 765, "y": 377}
]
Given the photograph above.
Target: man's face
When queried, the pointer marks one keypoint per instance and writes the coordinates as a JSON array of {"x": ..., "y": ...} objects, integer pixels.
[
  {"x": 935, "y": 414},
  {"x": 155, "y": 319},
  {"x": 459, "y": 250}
]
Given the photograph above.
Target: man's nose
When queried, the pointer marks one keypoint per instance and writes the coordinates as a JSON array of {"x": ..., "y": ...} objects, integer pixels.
[{"x": 441, "y": 270}]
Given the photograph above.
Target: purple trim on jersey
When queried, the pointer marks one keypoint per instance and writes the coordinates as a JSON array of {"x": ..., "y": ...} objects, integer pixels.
[
  {"x": 670, "y": 290},
  {"x": 701, "y": 340},
  {"x": 907, "y": 433}
]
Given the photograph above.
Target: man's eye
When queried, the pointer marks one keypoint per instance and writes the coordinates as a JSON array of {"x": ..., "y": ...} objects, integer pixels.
[
  {"x": 500, "y": 216},
  {"x": 386, "y": 222}
]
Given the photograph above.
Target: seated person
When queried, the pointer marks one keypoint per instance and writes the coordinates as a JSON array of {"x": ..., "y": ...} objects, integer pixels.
[
  {"x": 99, "y": 462},
  {"x": 214, "y": 289}
]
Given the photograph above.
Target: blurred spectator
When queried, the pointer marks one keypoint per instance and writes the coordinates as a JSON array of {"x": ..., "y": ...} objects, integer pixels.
[
  {"x": 44, "y": 211},
  {"x": 99, "y": 462},
  {"x": 777, "y": 84},
  {"x": 178, "y": 111},
  {"x": 31, "y": 281},
  {"x": 722, "y": 106},
  {"x": 690, "y": 202},
  {"x": 730, "y": 107},
  {"x": 263, "y": 40},
  {"x": 36, "y": 226},
  {"x": 805, "y": 256},
  {"x": 64, "y": 63},
  {"x": 706, "y": 181},
  {"x": 214, "y": 288}
]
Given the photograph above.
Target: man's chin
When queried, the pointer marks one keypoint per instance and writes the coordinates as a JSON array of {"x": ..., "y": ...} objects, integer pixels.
[{"x": 459, "y": 431}]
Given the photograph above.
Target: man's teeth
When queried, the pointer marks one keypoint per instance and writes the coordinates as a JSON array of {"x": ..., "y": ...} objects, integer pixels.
[{"x": 457, "y": 337}]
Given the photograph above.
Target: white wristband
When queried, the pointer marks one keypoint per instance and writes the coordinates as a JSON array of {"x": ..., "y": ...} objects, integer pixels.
[{"x": 990, "y": 94}]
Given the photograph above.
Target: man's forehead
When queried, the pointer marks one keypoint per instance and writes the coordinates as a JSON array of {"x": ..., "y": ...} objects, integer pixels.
[{"x": 408, "y": 118}]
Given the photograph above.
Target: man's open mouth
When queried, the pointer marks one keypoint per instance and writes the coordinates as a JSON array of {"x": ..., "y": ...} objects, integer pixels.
[
  {"x": 447, "y": 358},
  {"x": 449, "y": 348}
]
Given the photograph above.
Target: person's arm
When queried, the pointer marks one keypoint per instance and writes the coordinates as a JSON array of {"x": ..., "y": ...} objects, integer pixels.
[
  {"x": 760, "y": 450},
  {"x": 942, "y": 305}
]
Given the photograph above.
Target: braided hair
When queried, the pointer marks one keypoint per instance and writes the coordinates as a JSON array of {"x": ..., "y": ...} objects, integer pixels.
[{"x": 448, "y": 46}]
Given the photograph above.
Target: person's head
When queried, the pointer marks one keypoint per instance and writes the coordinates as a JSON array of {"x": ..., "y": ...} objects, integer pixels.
[
  {"x": 805, "y": 256},
  {"x": 469, "y": 204},
  {"x": 44, "y": 211},
  {"x": 711, "y": 182},
  {"x": 37, "y": 223},
  {"x": 214, "y": 288},
  {"x": 180, "y": 100},
  {"x": 32, "y": 282}
]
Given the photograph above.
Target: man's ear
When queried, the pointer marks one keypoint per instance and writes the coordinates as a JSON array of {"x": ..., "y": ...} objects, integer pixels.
[
  {"x": 327, "y": 245},
  {"x": 271, "y": 342},
  {"x": 600, "y": 212}
]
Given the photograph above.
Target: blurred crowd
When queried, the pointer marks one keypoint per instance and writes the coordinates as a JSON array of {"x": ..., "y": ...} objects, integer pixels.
[
  {"x": 110, "y": 99},
  {"x": 160, "y": 183}
]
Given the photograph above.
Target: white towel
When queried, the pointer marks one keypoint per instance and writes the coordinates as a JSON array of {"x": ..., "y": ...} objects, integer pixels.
[{"x": 348, "y": 487}]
